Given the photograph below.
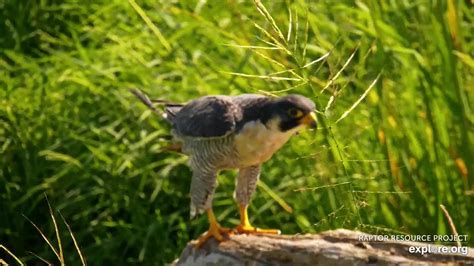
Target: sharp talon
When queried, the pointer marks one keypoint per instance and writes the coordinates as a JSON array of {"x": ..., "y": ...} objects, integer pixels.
[
  {"x": 215, "y": 230},
  {"x": 217, "y": 233}
]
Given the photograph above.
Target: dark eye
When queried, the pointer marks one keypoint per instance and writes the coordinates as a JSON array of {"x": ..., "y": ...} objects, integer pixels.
[{"x": 293, "y": 112}]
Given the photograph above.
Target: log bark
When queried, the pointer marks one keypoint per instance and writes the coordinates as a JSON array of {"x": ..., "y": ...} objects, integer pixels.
[{"x": 337, "y": 247}]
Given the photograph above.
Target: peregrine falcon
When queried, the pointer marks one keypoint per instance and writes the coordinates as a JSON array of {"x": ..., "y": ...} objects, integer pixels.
[{"x": 232, "y": 132}]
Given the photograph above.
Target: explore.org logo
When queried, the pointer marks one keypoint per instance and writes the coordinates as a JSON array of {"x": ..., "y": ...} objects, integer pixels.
[
  {"x": 430, "y": 248},
  {"x": 434, "y": 249}
]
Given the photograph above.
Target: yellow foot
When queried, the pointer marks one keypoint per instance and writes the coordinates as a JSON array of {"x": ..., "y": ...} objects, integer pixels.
[
  {"x": 245, "y": 228},
  {"x": 217, "y": 232},
  {"x": 248, "y": 229}
]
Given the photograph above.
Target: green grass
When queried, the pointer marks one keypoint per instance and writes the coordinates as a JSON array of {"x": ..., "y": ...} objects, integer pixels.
[{"x": 399, "y": 74}]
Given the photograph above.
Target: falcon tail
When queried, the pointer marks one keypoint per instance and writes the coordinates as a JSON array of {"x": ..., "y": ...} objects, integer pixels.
[{"x": 171, "y": 109}]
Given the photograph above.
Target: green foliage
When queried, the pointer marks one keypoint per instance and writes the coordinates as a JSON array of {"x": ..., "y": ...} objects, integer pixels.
[{"x": 392, "y": 81}]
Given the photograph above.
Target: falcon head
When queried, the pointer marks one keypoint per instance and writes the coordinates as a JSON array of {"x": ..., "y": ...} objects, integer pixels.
[{"x": 293, "y": 112}]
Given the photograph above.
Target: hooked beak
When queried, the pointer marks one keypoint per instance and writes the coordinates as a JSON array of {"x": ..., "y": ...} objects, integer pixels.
[{"x": 309, "y": 120}]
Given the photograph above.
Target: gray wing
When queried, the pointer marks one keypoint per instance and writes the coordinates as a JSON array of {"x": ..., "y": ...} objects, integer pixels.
[{"x": 206, "y": 117}]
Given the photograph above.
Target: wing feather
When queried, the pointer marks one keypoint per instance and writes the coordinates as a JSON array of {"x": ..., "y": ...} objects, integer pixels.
[{"x": 207, "y": 117}]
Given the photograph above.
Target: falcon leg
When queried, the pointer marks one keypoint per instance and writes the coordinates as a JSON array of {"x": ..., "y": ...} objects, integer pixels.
[
  {"x": 215, "y": 230},
  {"x": 246, "y": 228},
  {"x": 245, "y": 188}
]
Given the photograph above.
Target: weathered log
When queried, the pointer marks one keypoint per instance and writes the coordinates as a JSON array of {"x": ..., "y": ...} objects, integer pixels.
[{"x": 338, "y": 247}]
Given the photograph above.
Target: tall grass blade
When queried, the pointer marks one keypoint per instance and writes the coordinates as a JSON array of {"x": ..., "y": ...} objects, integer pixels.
[
  {"x": 261, "y": 8},
  {"x": 56, "y": 230},
  {"x": 287, "y": 89},
  {"x": 331, "y": 81},
  {"x": 76, "y": 245},
  {"x": 306, "y": 33},
  {"x": 260, "y": 76},
  {"x": 150, "y": 24},
  {"x": 297, "y": 24},
  {"x": 11, "y": 254},
  {"x": 275, "y": 196},
  {"x": 451, "y": 224},
  {"x": 275, "y": 41},
  {"x": 317, "y": 60},
  {"x": 40, "y": 258},
  {"x": 290, "y": 25},
  {"x": 348, "y": 111},
  {"x": 254, "y": 47},
  {"x": 270, "y": 59},
  {"x": 45, "y": 238},
  {"x": 57, "y": 156},
  {"x": 321, "y": 187}
]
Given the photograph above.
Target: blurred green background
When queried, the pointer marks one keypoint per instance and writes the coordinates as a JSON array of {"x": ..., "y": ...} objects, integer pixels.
[{"x": 69, "y": 128}]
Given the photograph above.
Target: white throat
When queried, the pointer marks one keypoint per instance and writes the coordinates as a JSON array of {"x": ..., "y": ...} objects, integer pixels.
[{"x": 256, "y": 143}]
